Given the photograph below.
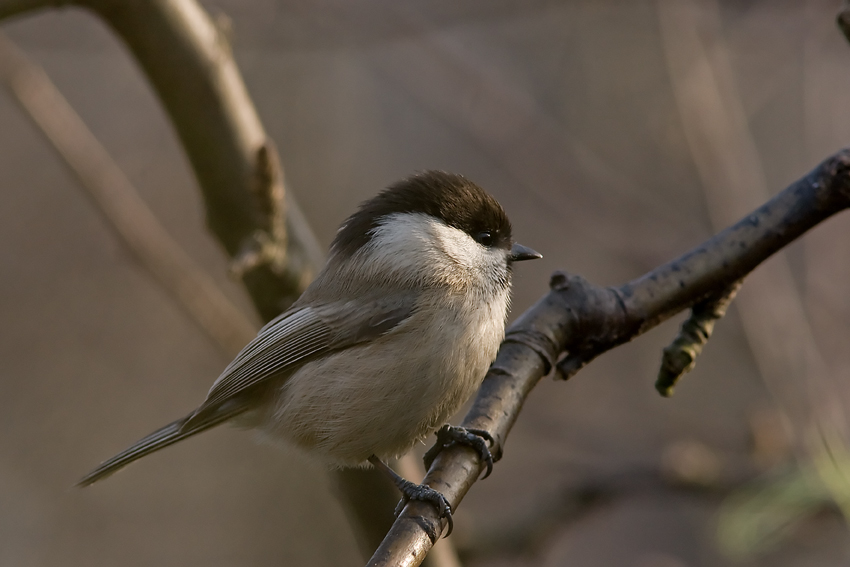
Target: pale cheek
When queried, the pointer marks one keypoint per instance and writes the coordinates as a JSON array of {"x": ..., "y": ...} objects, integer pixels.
[
  {"x": 461, "y": 248},
  {"x": 406, "y": 243}
]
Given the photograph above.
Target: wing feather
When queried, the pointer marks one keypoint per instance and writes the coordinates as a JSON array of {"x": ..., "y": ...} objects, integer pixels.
[
  {"x": 300, "y": 334},
  {"x": 289, "y": 339}
]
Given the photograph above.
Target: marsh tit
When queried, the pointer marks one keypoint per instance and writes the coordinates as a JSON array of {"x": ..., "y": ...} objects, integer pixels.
[{"x": 393, "y": 336}]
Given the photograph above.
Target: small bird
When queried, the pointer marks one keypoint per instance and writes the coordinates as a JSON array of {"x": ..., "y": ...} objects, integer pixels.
[{"x": 393, "y": 336}]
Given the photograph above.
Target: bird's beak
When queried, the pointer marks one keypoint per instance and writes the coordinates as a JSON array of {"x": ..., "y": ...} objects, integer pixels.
[{"x": 520, "y": 253}]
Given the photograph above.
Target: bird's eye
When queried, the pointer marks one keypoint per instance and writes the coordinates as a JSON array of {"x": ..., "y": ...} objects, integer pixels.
[{"x": 485, "y": 238}]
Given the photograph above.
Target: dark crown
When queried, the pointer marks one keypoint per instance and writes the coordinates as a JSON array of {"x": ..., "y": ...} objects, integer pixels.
[{"x": 452, "y": 198}]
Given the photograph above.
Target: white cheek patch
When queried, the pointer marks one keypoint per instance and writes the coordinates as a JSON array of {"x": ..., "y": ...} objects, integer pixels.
[
  {"x": 402, "y": 243},
  {"x": 459, "y": 246},
  {"x": 414, "y": 243},
  {"x": 412, "y": 234},
  {"x": 489, "y": 264}
]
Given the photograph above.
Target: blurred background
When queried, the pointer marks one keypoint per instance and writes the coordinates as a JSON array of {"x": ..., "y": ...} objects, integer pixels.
[{"x": 617, "y": 135}]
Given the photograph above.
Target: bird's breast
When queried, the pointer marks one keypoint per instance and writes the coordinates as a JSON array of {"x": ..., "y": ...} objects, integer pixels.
[{"x": 381, "y": 397}]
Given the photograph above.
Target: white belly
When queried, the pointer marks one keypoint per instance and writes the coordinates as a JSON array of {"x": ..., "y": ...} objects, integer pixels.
[{"x": 380, "y": 398}]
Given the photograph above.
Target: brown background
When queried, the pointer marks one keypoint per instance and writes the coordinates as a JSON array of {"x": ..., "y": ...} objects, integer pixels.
[{"x": 594, "y": 172}]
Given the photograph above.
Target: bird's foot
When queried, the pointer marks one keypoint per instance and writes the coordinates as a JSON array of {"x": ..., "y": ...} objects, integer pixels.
[
  {"x": 412, "y": 491},
  {"x": 478, "y": 439}
]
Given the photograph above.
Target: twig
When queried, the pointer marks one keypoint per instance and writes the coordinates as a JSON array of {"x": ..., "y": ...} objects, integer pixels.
[
  {"x": 577, "y": 316},
  {"x": 680, "y": 357}
]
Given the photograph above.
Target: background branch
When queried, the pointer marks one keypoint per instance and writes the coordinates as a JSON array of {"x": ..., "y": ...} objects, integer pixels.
[
  {"x": 121, "y": 205},
  {"x": 186, "y": 57},
  {"x": 188, "y": 61}
]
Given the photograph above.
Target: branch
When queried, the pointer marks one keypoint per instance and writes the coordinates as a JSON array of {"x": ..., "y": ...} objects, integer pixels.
[
  {"x": 680, "y": 357},
  {"x": 187, "y": 58},
  {"x": 584, "y": 320},
  {"x": 188, "y": 61}
]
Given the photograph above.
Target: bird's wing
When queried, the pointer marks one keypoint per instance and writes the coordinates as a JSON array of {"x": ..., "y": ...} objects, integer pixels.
[
  {"x": 289, "y": 339},
  {"x": 300, "y": 334}
]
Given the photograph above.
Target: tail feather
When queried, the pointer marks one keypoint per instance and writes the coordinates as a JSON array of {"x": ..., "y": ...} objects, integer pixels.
[{"x": 159, "y": 439}]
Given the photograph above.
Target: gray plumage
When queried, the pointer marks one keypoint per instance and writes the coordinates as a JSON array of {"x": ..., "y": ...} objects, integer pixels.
[{"x": 395, "y": 333}]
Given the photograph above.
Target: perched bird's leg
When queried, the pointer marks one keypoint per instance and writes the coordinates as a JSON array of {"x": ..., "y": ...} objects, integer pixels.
[
  {"x": 412, "y": 491},
  {"x": 478, "y": 439}
]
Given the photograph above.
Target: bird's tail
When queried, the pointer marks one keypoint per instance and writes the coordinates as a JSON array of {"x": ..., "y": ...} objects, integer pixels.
[{"x": 159, "y": 439}]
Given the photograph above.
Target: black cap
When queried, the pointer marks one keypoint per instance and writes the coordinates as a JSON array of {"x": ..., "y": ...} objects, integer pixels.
[{"x": 452, "y": 198}]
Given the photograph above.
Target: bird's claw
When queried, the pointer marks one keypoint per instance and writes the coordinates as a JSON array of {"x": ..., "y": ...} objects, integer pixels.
[
  {"x": 411, "y": 491},
  {"x": 478, "y": 439}
]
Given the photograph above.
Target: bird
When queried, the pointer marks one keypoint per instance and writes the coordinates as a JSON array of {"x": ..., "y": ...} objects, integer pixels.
[{"x": 396, "y": 332}]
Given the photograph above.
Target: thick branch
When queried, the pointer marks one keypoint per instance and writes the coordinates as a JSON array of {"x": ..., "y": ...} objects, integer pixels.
[
  {"x": 584, "y": 320},
  {"x": 188, "y": 61},
  {"x": 187, "y": 58}
]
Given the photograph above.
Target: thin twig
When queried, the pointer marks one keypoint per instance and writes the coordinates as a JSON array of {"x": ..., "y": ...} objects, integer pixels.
[{"x": 681, "y": 355}]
